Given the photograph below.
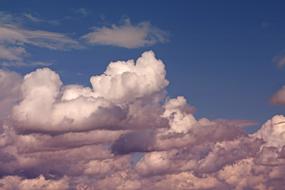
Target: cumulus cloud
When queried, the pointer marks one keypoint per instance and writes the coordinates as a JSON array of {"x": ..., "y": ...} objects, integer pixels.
[
  {"x": 109, "y": 103},
  {"x": 124, "y": 132},
  {"x": 127, "y": 35},
  {"x": 15, "y": 182},
  {"x": 273, "y": 131},
  {"x": 179, "y": 114}
]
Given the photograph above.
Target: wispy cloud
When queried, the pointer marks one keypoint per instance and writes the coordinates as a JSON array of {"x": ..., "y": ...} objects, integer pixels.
[
  {"x": 36, "y": 19},
  {"x": 279, "y": 59},
  {"x": 82, "y": 11},
  {"x": 12, "y": 53},
  {"x": 127, "y": 35},
  {"x": 14, "y": 38}
]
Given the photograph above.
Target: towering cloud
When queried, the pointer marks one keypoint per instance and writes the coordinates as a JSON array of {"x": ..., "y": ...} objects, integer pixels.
[
  {"x": 112, "y": 101},
  {"x": 273, "y": 131},
  {"x": 123, "y": 132},
  {"x": 179, "y": 114}
]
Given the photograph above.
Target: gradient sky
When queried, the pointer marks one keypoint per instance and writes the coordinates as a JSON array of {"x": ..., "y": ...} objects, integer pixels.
[
  {"x": 137, "y": 95},
  {"x": 219, "y": 54}
]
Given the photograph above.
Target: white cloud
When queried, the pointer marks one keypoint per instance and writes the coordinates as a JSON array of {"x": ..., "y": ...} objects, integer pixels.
[
  {"x": 126, "y": 81},
  {"x": 127, "y": 35},
  {"x": 109, "y": 103},
  {"x": 273, "y": 131},
  {"x": 124, "y": 133},
  {"x": 179, "y": 115}
]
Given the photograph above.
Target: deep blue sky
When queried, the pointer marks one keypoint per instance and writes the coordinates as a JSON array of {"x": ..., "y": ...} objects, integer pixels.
[{"x": 219, "y": 53}]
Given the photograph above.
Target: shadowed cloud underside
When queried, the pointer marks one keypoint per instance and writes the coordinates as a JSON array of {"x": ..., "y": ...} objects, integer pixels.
[{"x": 56, "y": 137}]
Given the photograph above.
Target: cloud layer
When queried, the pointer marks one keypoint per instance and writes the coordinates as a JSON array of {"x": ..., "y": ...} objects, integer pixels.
[{"x": 124, "y": 132}]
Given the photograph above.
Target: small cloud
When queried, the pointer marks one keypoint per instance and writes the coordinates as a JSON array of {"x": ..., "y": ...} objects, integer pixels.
[
  {"x": 127, "y": 35},
  {"x": 36, "y": 19},
  {"x": 235, "y": 122},
  {"x": 82, "y": 11},
  {"x": 279, "y": 59},
  {"x": 279, "y": 97},
  {"x": 32, "y": 18},
  {"x": 42, "y": 63}
]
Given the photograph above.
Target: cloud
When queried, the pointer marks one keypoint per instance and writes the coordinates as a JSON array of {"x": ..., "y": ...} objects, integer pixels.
[
  {"x": 82, "y": 11},
  {"x": 279, "y": 59},
  {"x": 12, "y": 54},
  {"x": 15, "y": 182},
  {"x": 273, "y": 131},
  {"x": 279, "y": 97},
  {"x": 14, "y": 35},
  {"x": 32, "y": 18},
  {"x": 14, "y": 38},
  {"x": 127, "y": 35},
  {"x": 109, "y": 103},
  {"x": 229, "y": 122},
  {"x": 35, "y": 19},
  {"x": 124, "y": 132},
  {"x": 10, "y": 83},
  {"x": 179, "y": 114}
]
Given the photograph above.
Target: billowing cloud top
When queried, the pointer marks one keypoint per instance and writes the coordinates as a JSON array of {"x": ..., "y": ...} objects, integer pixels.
[
  {"x": 75, "y": 107},
  {"x": 123, "y": 132}
]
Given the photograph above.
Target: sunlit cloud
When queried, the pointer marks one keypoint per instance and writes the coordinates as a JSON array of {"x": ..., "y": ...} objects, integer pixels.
[
  {"x": 127, "y": 35},
  {"x": 124, "y": 132}
]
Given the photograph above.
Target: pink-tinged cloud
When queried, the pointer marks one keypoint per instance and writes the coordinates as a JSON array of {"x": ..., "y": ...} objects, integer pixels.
[
  {"x": 279, "y": 97},
  {"x": 124, "y": 132}
]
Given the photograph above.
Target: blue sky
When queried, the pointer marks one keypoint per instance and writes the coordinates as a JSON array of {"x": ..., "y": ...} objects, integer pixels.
[
  {"x": 219, "y": 55},
  {"x": 87, "y": 103}
]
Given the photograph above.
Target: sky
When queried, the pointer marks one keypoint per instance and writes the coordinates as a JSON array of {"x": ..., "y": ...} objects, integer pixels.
[
  {"x": 222, "y": 50},
  {"x": 134, "y": 81}
]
